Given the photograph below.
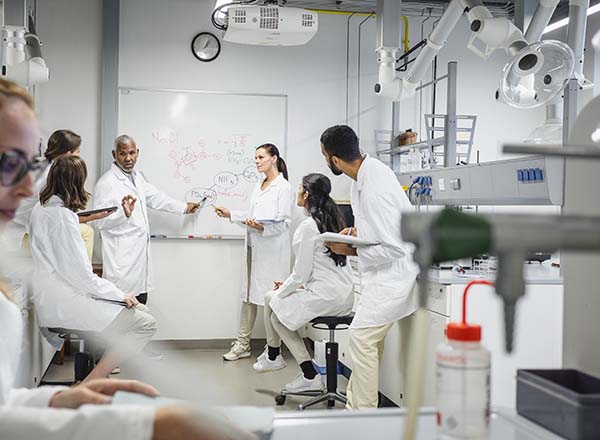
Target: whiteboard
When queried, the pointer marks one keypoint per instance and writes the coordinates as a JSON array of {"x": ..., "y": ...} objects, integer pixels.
[{"x": 201, "y": 144}]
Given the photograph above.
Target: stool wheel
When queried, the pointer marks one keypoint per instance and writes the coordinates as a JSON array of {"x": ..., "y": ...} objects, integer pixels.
[{"x": 280, "y": 399}]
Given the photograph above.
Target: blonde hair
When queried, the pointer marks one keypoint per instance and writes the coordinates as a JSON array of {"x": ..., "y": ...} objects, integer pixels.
[{"x": 9, "y": 91}]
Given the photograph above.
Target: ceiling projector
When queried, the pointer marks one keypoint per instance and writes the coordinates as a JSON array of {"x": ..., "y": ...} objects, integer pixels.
[{"x": 270, "y": 25}]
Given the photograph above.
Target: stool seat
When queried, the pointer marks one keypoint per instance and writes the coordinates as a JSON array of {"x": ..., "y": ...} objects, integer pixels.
[{"x": 333, "y": 321}]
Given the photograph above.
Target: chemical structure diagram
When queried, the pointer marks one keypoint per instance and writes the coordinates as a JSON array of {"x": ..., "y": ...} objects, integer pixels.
[
  {"x": 186, "y": 160},
  {"x": 224, "y": 181}
]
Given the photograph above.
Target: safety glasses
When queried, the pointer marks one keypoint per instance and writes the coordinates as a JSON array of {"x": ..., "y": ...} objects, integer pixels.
[{"x": 14, "y": 166}]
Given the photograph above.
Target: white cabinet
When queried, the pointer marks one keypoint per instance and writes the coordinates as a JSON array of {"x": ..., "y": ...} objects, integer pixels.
[
  {"x": 393, "y": 371},
  {"x": 538, "y": 332}
]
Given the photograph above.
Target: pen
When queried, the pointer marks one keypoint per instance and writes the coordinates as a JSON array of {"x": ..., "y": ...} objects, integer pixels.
[{"x": 349, "y": 231}]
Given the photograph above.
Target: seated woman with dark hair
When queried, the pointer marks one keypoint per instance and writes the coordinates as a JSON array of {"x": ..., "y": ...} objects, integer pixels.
[
  {"x": 67, "y": 293},
  {"x": 320, "y": 285}
]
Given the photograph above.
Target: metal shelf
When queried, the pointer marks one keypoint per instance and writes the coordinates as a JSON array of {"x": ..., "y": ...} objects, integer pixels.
[
  {"x": 423, "y": 145},
  {"x": 439, "y": 147}
]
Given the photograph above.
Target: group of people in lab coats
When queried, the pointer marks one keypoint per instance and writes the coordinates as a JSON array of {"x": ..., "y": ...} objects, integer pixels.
[
  {"x": 52, "y": 412},
  {"x": 320, "y": 282},
  {"x": 67, "y": 294}
]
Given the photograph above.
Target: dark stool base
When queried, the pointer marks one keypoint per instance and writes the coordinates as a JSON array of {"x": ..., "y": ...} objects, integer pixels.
[
  {"x": 329, "y": 393},
  {"x": 318, "y": 397}
]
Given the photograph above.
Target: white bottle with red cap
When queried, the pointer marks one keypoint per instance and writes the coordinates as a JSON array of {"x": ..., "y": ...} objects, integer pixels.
[{"x": 463, "y": 380}]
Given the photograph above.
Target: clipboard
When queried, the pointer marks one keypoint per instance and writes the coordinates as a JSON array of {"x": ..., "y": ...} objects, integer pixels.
[
  {"x": 110, "y": 301},
  {"x": 268, "y": 221},
  {"x": 347, "y": 239}
]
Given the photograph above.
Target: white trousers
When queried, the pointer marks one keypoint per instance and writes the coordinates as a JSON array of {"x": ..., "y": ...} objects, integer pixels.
[
  {"x": 130, "y": 331},
  {"x": 277, "y": 331},
  {"x": 366, "y": 350}
]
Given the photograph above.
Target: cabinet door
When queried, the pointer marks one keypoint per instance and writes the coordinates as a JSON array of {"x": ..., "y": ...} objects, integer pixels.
[
  {"x": 538, "y": 332},
  {"x": 393, "y": 373}
]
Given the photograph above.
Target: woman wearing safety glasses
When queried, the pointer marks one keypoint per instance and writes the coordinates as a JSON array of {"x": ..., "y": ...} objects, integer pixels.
[{"x": 29, "y": 414}]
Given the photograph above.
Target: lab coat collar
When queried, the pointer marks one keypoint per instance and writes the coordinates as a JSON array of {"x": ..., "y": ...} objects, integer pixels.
[
  {"x": 362, "y": 172},
  {"x": 120, "y": 174},
  {"x": 55, "y": 201},
  {"x": 278, "y": 181}
]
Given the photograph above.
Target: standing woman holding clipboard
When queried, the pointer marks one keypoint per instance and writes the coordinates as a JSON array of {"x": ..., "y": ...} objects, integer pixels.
[{"x": 266, "y": 243}]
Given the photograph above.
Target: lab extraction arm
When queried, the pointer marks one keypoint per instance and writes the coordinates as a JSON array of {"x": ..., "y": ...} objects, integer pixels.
[{"x": 488, "y": 34}]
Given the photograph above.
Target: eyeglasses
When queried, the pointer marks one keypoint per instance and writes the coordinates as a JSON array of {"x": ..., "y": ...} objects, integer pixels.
[{"x": 14, "y": 166}]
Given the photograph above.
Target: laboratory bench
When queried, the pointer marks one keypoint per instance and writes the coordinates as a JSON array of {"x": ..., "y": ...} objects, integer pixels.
[
  {"x": 388, "y": 423},
  {"x": 535, "y": 274}
]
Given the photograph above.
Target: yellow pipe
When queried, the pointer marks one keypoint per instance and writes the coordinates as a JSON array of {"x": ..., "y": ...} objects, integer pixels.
[
  {"x": 325, "y": 11},
  {"x": 405, "y": 41}
]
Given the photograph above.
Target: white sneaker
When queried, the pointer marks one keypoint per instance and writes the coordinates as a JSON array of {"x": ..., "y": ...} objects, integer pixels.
[
  {"x": 263, "y": 364},
  {"x": 238, "y": 351},
  {"x": 301, "y": 383}
]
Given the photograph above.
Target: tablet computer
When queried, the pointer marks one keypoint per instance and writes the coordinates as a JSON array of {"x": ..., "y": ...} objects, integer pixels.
[{"x": 96, "y": 211}]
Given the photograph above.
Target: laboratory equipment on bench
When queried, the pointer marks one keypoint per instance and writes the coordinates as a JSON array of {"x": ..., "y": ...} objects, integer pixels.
[
  {"x": 463, "y": 379},
  {"x": 449, "y": 235}
]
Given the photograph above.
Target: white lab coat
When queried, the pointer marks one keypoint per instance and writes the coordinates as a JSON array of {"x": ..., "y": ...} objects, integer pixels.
[
  {"x": 24, "y": 413},
  {"x": 328, "y": 289},
  {"x": 388, "y": 272},
  {"x": 17, "y": 228},
  {"x": 126, "y": 258},
  {"x": 270, "y": 249},
  {"x": 63, "y": 281}
]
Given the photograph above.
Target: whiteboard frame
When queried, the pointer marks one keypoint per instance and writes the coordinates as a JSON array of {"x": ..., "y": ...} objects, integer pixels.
[
  {"x": 106, "y": 165},
  {"x": 283, "y": 151}
]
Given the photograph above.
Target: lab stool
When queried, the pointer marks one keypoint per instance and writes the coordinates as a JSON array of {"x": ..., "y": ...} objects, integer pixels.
[
  {"x": 330, "y": 393},
  {"x": 84, "y": 359}
]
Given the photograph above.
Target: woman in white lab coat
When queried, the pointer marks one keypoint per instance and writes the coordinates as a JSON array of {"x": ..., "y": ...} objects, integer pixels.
[
  {"x": 66, "y": 292},
  {"x": 320, "y": 285},
  {"x": 31, "y": 414},
  {"x": 267, "y": 241}
]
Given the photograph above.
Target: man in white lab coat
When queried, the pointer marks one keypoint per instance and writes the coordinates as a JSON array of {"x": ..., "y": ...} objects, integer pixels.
[
  {"x": 388, "y": 273},
  {"x": 126, "y": 233}
]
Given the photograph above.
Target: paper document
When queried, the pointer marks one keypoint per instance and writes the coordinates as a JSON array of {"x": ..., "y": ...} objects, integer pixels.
[
  {"x": 348, "y": 239},
  {"x": 257, "y": 420}
]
